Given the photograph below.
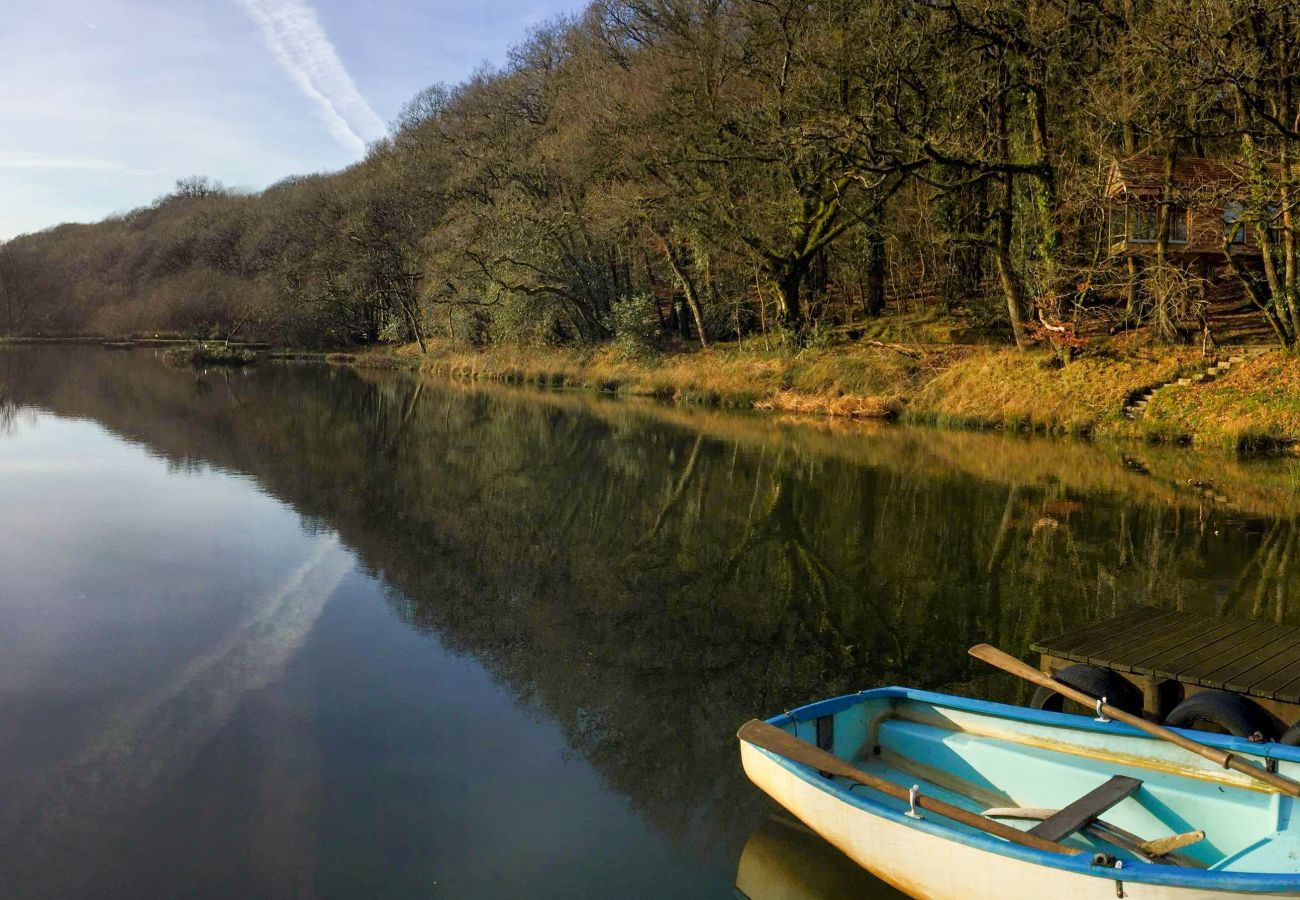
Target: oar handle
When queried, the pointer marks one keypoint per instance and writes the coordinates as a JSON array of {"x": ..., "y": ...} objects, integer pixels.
[{"x": 1008, "y": 663}]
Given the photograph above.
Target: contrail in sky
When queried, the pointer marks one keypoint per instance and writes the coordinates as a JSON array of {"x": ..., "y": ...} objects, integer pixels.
[{"x": 300, "y": 45}]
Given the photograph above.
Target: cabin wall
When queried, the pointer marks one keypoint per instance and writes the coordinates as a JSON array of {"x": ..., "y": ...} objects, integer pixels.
[
  {"x": 1204, "y": 234},
  {"x": 1205, "y": 231}
]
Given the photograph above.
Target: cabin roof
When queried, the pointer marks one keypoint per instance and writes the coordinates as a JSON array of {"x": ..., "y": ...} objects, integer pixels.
[{"x": 1144, "y": 174}]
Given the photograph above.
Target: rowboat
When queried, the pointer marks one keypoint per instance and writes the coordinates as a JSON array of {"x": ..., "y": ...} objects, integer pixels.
[{"x": 1046, "y": 805}]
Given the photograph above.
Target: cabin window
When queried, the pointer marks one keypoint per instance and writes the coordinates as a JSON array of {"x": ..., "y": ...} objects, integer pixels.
[
  {"x": 1144, "y": 223},
  {"x": 1177, "y": 224},
  {"x": 1276, "y": 228},
  {"x": 1233, "y": 226},
  {"x": 1116, "y": 226}
]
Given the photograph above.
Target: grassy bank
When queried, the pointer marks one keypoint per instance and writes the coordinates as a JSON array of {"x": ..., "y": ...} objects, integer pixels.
[
  {"x": 856, "y": 381},
  {"x": 967, "y": 386},
  {"x": 1255, "y": 407},
  {"x": 1032, "y": 391}
]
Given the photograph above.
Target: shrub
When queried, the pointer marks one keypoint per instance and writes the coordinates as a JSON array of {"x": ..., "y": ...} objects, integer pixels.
[{"x": 635, "y": 326}]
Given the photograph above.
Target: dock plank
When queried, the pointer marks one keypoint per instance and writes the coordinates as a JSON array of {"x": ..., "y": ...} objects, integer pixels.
[
  {"x": 1116, "y": 629},
  {"x": 1272, "y": 685},
  {"x": 1198, "y": 665},
  {"x": 1064, "y": 644},
  {"x": 1103, "y": 648},
  {"x": 1214, "y": 630},
  {"x": 1175, "y": 635},
  {"x": 1261, "y": 678},
  {"x": 1259, "y": 659},
  {"x": 1176, "y": 664},
  {"x": 1236, "y": 675},
  {"x": 1290, "y": 692}
]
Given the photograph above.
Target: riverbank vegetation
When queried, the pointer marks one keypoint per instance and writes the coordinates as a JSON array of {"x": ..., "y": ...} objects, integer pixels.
[
  {"x": 778, "y": 184},
  {"x": 850, "y": 381},
  {"x": 208, "y": 354}
]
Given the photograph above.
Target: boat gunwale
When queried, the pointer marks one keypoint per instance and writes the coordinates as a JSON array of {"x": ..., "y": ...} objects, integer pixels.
[{"x": 1146, "y": 873}]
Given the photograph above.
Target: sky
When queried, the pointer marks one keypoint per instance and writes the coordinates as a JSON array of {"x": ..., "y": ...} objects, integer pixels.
[{"x": 104, "y": 104}]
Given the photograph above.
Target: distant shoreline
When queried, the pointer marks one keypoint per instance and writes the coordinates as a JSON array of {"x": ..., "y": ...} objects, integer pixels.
[{"x": 1251, "y": 406}]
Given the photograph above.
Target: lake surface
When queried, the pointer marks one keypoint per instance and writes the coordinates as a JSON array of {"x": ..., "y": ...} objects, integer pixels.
[{"x": 302, "y": 632}]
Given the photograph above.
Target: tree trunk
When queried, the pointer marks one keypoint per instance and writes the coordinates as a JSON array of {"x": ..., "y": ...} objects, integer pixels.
[
  {"x": 685, "y": 280},
  {"x": 875, "y": 272},
  {"x": 1163, "y": 314},
  {"x": 1011, "y": 287},
  {"x": 413, "y": 323},
  {"x": 690, "y": 293},
  {"x": 1131, "y": 294},
  {"x": 1044, "y": 191},
  {"x": 1289, "y": 275},
  {"x": 788, "y": 282}
]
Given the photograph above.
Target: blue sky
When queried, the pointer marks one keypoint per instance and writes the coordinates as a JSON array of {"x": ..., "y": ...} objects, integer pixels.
[{"x": 105, "y": 103}]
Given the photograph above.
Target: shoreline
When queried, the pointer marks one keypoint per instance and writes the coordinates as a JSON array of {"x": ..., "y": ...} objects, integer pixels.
[
  {"x": 1251, "y": 407},
  {"x": 1241, "y": 400}
]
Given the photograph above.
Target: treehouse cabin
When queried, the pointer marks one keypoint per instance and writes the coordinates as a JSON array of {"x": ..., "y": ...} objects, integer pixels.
[{"x": 1204, "y": 200}]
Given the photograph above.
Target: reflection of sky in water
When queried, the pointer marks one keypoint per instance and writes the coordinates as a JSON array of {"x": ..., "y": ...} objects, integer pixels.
[{"x": 188, "y": 674}]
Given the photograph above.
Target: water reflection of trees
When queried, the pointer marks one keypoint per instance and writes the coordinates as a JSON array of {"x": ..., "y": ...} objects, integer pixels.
[
  {"x": 651, "y": 584},
  {"x": 8, "y": 414},
  {"x": 8, "y": 408}
]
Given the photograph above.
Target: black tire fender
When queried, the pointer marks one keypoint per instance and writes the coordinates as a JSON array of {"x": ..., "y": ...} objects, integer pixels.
[
  {"x": 1095, "y": 682},
  {"x": 1224, "y": 712}
]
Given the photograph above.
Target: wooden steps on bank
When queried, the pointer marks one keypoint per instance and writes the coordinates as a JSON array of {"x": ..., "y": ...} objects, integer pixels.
[{"x": 1256, "y": 659}]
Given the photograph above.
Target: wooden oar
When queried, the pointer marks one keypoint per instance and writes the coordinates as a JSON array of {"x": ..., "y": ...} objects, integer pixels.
[
  {"x": 1008, "y": 663},
  {"x": 782, "y": 743}
]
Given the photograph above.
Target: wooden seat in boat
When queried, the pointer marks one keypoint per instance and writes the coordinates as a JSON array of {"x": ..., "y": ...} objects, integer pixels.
[{"x": 1084, "y": 811}]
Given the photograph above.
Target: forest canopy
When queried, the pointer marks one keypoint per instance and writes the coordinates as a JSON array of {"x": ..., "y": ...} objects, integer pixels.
[{"x": 713, "y": 169}]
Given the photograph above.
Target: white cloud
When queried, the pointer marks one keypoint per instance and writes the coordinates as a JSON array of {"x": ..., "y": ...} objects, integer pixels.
[{"x": 297, "y": 41}]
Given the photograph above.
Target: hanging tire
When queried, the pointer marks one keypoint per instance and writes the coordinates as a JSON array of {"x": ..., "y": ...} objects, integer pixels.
[
  {"x": 1095, "y": 682},
  {"x": 1222, "y": 712}
]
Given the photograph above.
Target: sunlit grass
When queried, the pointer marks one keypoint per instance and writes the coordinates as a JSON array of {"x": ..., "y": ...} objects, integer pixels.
[
  {"x": 1029, "y": 391},
  {"x": 1254, "y": 408},
  {"x": 861, "y": 381}
]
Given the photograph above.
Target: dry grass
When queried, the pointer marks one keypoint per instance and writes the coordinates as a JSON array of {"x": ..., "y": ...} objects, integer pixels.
[
  {"x": 849, "y": 406},
  {"x": 1254, "y": 407},
  {"x": 1004, "y": 388},
  {"x": 850, "y": 380}
]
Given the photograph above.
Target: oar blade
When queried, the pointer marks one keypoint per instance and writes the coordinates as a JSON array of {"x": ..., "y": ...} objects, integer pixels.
[{"x": 783, "y": 743}]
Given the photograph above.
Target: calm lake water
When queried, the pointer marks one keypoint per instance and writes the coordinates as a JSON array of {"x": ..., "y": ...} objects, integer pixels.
[{"x": 306, "y": 632}]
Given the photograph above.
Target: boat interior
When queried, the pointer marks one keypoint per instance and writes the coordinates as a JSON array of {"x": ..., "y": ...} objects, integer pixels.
[{"x": 1125, "y": 795}]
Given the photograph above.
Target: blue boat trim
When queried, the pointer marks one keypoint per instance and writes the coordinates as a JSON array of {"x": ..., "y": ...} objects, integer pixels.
[{"x": 1145, "y": 873}]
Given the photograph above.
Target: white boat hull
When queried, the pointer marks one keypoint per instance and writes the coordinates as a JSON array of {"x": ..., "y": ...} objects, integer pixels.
[{"x": 925, "y": 865}]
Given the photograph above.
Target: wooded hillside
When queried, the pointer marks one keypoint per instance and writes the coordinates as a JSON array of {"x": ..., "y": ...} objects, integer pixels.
[{"x": 713, "y": 169}]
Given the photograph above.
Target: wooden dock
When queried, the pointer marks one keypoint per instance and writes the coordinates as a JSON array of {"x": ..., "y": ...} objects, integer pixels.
[{"x": 1151, "y": 646}]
